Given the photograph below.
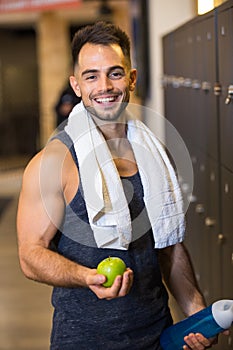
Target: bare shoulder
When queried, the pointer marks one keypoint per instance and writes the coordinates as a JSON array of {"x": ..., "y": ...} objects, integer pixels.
[
  {"x": 41, "y": 201},
  {"x": 53, "y": 153},
  {"x": 52, "y": 172},
  {"x": 46, "y": 167}
]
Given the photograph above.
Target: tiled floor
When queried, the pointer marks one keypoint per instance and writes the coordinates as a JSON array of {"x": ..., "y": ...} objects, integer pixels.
[{"x": 25, "y": 311}]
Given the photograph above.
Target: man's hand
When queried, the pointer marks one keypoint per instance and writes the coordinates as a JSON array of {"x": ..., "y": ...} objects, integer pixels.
[
  {"x": 120, "y": 287},
  {"x": 199, "y": 342}
]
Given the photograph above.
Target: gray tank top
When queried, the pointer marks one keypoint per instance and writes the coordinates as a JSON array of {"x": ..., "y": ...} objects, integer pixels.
[{"x": 81, "y": 321}]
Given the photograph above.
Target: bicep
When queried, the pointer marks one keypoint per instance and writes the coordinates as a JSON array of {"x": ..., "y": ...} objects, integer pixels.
[
  {"x": 171, "y": 258},
  {"x": 165, "y": 261},
  {"x": 40, "y": 210},
  {"x": 176, "y": 266}
]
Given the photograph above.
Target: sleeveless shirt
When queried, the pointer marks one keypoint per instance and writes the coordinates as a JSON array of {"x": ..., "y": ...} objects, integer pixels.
[{"x": 81, "y": 321}]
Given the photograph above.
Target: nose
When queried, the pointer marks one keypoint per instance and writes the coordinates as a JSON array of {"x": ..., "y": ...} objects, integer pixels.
[{"x": 105, "y": 84}]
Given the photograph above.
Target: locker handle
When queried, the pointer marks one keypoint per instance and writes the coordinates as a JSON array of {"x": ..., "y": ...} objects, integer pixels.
[
  {"x": 199, "y": 209},
  {"x": 229, "y": 97},
  {"x": 217, "y": 89},
  {"x": 196, "y": 84},
  {"x": 178, "y": 82},
  {"x": 210, "y": 222},
  {"x": 221, "y": 238},
  {"x": 206, "y": 86},
  {"x": 187, "y": 83},
  {"x": 192, "y": 198}
]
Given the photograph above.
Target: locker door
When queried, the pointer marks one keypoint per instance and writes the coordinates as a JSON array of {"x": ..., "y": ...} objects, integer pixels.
[
  {"x": 227, "y": 231},
  {"x": 189, "y": 122},
  {"x": 192, "y": 224},
  {"x": 212, "y": 256},
  {"x": 196, "y": 217},
  {"x": 203, "y": 84},
  {"x": 226, "y": 240},
  {"x": 168, "y": 54},
  {"x": 196, "y": 84},
  {"x": 178, "y": 111},
  {"x": 169, "y": 71},
  {"x": 209, "y": 124},
  {"x": 173, "y": 96},
  {"x": 225, "y": 44},
  {"x": 200, "y": 211}
]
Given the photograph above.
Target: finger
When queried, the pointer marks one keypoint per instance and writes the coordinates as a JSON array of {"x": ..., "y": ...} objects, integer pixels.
[
  {"x": 95, "y": 279},
  {"x": 126, "y": 283},
  {"x": 99, "y": 291},
  {"x": 106, "y": 293},
  {"x": 227, "y": 332},
  {"x": 197, "y": 341},
  {"x": 204, "y": 341},
  {"x": 193, "y": 343},
  {"x": 113, "y": 291}
]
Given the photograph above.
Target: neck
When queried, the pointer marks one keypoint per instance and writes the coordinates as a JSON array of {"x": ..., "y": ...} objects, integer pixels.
[
  {"x": 115, "y": 134},
  {"x": 112, "y": 129}
]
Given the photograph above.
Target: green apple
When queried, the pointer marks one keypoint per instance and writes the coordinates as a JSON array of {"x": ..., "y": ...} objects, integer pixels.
[{"x": 111, "y": 267}]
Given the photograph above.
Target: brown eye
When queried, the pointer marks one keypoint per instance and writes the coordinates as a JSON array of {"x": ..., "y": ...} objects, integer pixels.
[
  {"x": 117, "y": 74},
  {"x": 91, "y": 77}
]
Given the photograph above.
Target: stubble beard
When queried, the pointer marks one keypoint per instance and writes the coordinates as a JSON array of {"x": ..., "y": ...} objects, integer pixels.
[{"x": 110, "y": 114}]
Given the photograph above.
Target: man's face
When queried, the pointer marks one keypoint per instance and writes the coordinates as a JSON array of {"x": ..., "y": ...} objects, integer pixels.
[{"x": 104, "y": 80}]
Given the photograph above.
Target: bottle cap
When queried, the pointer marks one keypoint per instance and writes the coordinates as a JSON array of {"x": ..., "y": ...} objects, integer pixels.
[{"x": 222, "y": 311}]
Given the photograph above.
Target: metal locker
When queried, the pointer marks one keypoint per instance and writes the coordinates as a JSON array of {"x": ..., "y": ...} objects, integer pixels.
[
  {"x": 168, "y": 54},
  {"x": 200, "y": 211},
  {"x": 226, "y": 236},
  {"x": 178, "y": 111},
  {"x": 188, "y": 129},
  {"x": 212, "y": 258},
  {"x": 169, "y": 72},
  {"x": 225, "y": 58},
  {"x": 195, "y": 216},
  {"x": 209, "y": 126},
  {"x": 199, "y": 101},
  {"x": 203, "y": 84},
  {"x": 226, "y": 242},
  {"x": 196, "y": 104}
]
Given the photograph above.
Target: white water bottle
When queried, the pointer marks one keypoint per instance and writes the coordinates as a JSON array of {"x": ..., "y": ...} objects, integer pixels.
[{"x": 209, "y": 322}]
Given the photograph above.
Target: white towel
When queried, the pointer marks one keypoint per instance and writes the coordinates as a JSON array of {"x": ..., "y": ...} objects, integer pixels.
[{"x": 106, "y": 204}]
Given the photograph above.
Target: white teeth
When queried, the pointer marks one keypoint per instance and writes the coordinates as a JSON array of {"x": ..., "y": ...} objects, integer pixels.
[{"x": 106, "y": 99}]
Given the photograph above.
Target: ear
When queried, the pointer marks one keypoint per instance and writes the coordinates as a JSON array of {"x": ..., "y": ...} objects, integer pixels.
[
  {"x": 133, "y": 79},
  {"x": 75, "y": 85}
]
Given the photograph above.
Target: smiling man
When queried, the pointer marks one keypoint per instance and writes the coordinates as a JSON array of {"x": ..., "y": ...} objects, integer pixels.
[
  {"x": 103, "y": 187},
  {"x": 105, "y": 88}
]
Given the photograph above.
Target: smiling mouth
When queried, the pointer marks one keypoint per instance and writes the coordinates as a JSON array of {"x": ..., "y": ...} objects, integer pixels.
[{"x": 106, "y": 100}]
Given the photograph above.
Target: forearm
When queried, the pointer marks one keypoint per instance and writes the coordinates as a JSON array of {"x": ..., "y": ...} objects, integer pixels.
[
  {"x": 46, "y": 266},
  {"x": 43, "y": 265},
  {"x": 179, "y": 277}
]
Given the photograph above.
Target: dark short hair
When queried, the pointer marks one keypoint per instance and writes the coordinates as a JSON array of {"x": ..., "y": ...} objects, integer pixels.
[{"x": 100, "y": 33}]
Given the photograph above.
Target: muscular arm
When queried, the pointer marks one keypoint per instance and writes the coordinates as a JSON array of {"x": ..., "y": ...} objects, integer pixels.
[
  {"x": 40, "y": 212},
  {"x": 179, "y": 277}
]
